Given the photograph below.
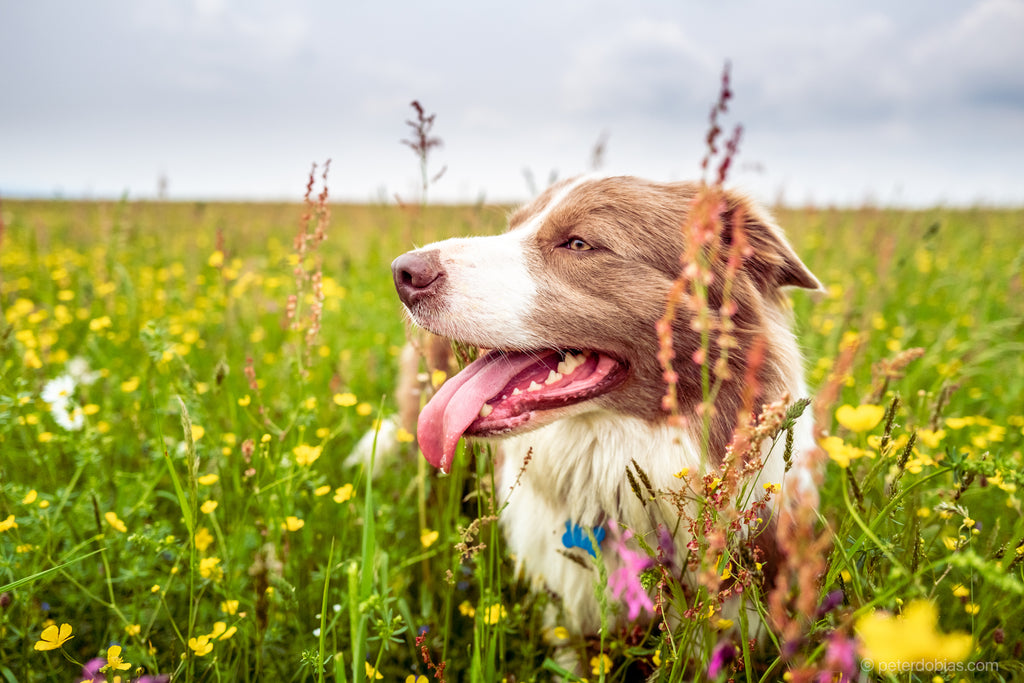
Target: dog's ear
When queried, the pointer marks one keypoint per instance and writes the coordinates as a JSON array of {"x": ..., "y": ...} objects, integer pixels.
[{"x": 769, "y": 258}]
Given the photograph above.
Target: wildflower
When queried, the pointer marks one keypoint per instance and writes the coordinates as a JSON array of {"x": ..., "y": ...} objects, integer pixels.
[
  {"x": 841, "y": 452},
  {"x": 656, "y": 659},
  {"x": 841, "y": 656},
  {"x": 404, "y": 436},
  {"x": 92, "y": 671},
  {"x": 200, "y": 645},
  {"x": 960, "y": 422},
  {"x": 198, "y": 431},
  {"x": 209, "y": 568},
  {"x": 972, "y": 608},
  {"x": 57, "y": 392},
  {"x": 229, "y": 607},
  {"x": 70, "y": 421},
  {"x": 466, "y": 609},
  {"x": 53, "y": 637},
  {"x": 722, "y": 657},
  {"x": 428, "y": 537},
  {"x": 78, "y": 369},
  {"x": 8, "y": 524},
  {"x": 222, "y": 632},
  {"x": 494, "y": 614},
  {"x": 345, "y": 400},
  {"x": 343, "y": 493},
  {"x": 203, "y": 539},
  {"x": 863, "y": 418},
  {"x": 99, "y": 324},
  {"x": 559, "y": 635},
  {"x": 682, "y": 473},
  {"x": 130, "y": 385},
  {"x": 115, "y": 521},
  {"x": 31, "y": 360},
  {"x": 216, "y": 259},
  {"x": 600, "y": 665},
  {"x": 133, "y": 629},
  {"x": 372, "y": 673},
  {"x": 322, "y": 490},
  {"x": 30, "y": 497},
  {"x": 293, "y": 523},
  {"x": 364, "y": 409},
  {"x": 208, "y": 507},
  {"x": 624, "y": 582},
  {"x": 910, "y": 637},
  {"x": 208, "y": 479},
  {"x": 114, "y": 661},
  {"x": 305, "y": 454},
  {"x": 412, "y": 678},
  {"x": 930, "y": 438},
  {"x": 829, "y": 603}
]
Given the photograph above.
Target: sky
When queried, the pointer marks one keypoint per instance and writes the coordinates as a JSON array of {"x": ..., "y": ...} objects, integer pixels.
[{"x": 910, "y": 103}]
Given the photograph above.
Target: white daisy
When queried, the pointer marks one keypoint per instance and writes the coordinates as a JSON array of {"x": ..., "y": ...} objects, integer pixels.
[
  {"x": 57, "y": 392},
  {"x": 72, "y": 420},
  {"x": 78, "y": 368}
]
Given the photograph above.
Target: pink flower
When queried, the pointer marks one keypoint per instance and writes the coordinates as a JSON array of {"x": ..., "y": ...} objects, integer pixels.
[
  {"x": 841, "y": 658},
  {"x": 624, "y": 582},
  {"x": 722, "y": 657}
]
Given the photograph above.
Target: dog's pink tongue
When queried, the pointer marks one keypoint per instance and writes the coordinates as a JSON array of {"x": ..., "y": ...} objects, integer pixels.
[{"x": 459, "y": 400}]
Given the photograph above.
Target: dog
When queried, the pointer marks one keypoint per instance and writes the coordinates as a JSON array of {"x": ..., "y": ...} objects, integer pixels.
[{"x": 567, "y": 303}]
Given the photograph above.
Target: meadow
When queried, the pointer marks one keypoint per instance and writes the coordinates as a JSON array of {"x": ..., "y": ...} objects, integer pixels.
[{"x": 181, "y": 384}]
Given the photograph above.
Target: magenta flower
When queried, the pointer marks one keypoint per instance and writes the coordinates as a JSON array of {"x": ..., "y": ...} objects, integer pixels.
[
  {"x": 841, "y": 658},
  {"x": 624, "y": 582},
  {"x": 91, "y": 671},
  {"x": 722, "y": 657}
]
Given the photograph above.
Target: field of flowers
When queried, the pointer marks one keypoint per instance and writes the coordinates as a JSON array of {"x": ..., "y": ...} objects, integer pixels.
[{"x": 181, "y": 384}]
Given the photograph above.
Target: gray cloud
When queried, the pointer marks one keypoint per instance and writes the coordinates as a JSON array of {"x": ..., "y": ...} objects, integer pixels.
[{"x": 916, "y": 101}]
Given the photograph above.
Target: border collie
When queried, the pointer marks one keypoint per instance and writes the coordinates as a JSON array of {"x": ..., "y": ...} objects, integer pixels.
[{"x": 567, "y": 303}]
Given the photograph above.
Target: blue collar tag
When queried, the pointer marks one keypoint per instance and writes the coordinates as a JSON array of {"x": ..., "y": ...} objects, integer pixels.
[{"x": 575, "y": 537}]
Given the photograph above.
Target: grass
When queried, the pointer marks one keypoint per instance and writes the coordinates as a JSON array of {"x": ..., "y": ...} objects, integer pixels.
[{"x": 200, "y": 515}]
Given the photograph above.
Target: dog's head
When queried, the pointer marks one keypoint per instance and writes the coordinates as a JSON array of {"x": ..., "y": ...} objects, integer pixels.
[{"x": 569, "y": 297}]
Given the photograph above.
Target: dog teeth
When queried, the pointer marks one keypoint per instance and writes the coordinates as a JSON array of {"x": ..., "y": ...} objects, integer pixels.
[
  {"x": 516, "y": 391},
  {"x": 571, "y": 362},
  {"x": 534, "y": 387},
  {"x": 553, "y": 377},
  {"x": 486, "y": 409}
]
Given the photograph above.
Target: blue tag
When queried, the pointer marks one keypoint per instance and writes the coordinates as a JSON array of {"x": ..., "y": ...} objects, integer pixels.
[{"x": 575, "y": 537}]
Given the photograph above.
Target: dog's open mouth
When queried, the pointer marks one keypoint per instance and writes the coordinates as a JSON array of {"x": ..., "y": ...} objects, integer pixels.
[{"x": 504, "y": 390}]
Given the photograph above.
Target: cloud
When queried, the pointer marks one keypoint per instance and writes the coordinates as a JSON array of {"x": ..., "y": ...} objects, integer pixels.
[
  {"x": 976, "y": 60},
  {"x": 648, "y": 68}
]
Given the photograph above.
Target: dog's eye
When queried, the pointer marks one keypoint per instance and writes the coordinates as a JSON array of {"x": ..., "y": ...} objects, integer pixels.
[{"x": 576, "y": 244}]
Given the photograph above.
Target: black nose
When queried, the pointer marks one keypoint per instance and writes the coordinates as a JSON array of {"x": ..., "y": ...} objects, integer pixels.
[{"x": 417, "y": 275}]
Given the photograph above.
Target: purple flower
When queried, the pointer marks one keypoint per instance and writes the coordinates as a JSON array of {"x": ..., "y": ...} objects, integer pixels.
[
  {"x": 840, "y": 657},
  {"x": 91, "y": 671},
  {"x": 831, "y": 601},
  {"x": 722, "y": 657},
  {"x": 91, "y": 674},
  {"x": 624, "y": 582}
]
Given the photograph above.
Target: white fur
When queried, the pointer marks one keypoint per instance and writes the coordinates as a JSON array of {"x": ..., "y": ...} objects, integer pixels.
[
  {"x": 587, "y": 455},
  {"x": 489, "y": 291}
]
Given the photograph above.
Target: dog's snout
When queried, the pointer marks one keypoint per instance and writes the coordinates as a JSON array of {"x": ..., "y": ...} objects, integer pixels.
[{"x": 417, "y": 274}]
